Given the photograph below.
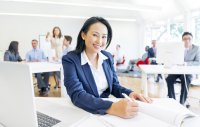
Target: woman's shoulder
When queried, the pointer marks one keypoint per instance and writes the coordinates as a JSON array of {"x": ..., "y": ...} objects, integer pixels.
[
  {"x": 106, "y": 53},
  {"x": 72, "y": 55},
  {"x": 7, "y": 52}
]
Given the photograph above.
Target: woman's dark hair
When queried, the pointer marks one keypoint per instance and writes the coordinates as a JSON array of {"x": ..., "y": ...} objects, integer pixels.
[
  {"x": 68, "y": 38},
  {"x": 81, "y": 43},
  {"x": 60, "y": 34},
  {"x": 187, "y": 33},
  {"x": 13, "y": 47}
]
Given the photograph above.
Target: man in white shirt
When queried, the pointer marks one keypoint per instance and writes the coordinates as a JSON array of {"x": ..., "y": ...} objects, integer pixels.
[{"x": 37, "y": 55}]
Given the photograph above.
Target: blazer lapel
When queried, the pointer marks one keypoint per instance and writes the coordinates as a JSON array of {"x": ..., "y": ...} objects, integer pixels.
[
  {"x": 107, "y": 73},
  {"x": 88, "y": 74},
  {"x": 189, "y": 54}
]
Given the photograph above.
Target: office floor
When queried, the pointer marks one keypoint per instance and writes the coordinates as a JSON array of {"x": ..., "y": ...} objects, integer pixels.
[
  {"x": 53, "y": 92},
  {"x": 156, "y": 90}
]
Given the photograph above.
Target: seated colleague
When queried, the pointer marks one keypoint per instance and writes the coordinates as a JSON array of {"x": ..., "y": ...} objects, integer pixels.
[
  {"x": 67, "y": 44},
  {"x": 145, "y": 55},
  {"x": 119, "y": 55},
  {"x": 152, "y": 51},
  {"x": 12, "y": 53},
  {"x": 37, "y": 55},
  {"x": 152, "y": 54},
  {"x": 192, "y": 57},
  {"x": 89, "y": 73},
  {"x": 145, "y": 59}
]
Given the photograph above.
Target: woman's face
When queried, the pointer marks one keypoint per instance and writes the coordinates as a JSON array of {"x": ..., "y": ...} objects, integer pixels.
[
  {"x": 95, "y": 38},
  {"x": 56, "y": 31}
]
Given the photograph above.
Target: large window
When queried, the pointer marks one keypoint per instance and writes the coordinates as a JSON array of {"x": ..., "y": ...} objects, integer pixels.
[
  {"x": 159, "y": 32},
  {"x": 176, "y": 31},
  {"x": 167, "y": 31},
  {"x": 197, "y": 31}
]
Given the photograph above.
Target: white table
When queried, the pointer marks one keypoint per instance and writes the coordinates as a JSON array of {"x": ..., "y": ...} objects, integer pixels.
[
  {"x": 70, "y": 115},
  {"x": 160, "y": 69},
  {"x": 39, "y": 67}
]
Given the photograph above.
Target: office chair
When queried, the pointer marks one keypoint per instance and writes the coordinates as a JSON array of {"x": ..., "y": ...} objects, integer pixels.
[
  {"x": 34, "y": 80},
  {"x": 187, "y": 103},
  {"x": 56, "y": 80},
  {"x": 178, "y": 81}
]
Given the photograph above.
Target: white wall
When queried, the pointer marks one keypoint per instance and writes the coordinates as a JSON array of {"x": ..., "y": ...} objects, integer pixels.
[
  {"x": 126, "y": 34},
  {"x": 24, "y": 29}
]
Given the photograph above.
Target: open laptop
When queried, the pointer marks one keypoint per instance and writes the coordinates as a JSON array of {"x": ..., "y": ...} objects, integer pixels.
[{"x": 17, "y": 102}]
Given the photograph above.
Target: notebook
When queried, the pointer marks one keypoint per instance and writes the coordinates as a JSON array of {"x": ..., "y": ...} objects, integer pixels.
[{"x": 161, "y": 113}]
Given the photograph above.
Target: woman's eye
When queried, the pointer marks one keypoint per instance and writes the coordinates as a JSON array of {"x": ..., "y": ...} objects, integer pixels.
[
  {"x": 94, "y": 35},
  {"x": 104, "y": 37}
]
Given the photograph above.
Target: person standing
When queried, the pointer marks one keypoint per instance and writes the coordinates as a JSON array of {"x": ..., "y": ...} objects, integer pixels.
[{"x": 56, "y": 40}]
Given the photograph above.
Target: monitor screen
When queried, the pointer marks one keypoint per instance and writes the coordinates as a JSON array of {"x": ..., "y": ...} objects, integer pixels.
[{"x": 170, "y": 53}]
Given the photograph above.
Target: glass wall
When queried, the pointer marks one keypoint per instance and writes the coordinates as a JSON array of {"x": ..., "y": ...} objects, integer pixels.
[
  {"x": 196, "y": 30},
  {"x": 166, "y": 31}
]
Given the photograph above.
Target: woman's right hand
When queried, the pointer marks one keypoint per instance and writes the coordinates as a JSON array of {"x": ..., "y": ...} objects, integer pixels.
[
  {"x": 48, "y": 33},
  {"x": 123, "y": 108}
]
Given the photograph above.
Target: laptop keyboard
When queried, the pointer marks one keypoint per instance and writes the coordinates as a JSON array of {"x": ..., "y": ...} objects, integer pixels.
[{"x": 45, "y": 120}]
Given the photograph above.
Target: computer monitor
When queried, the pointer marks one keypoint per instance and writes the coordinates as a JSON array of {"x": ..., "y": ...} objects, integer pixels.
[{"x": 170, "y": 53}]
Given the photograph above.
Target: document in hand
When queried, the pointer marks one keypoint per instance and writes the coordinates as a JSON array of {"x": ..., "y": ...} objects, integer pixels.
[{"x": 161, "y": 113}]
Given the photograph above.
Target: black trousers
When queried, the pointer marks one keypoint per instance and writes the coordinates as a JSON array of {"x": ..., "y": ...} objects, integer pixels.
[
  {"x": 171, "y": 79},
  {"x": 42, "y": 80}
]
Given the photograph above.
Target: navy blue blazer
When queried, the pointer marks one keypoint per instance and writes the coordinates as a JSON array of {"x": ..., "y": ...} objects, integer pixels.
[{"x": 81, "y": 86}]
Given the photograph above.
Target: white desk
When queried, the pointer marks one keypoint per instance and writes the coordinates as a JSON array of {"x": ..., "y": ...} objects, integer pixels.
[
  {"x": 39, "y": 67},
  {"x": 159, "y": 69},
  {"x": 65, "y": 111}
]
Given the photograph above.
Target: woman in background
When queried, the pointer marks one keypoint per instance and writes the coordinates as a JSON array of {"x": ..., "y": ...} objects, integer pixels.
[
  {"x": 67, "y": 48},
  {"x": 12, "y": 53},
  {"x": 56, "y": 40}
]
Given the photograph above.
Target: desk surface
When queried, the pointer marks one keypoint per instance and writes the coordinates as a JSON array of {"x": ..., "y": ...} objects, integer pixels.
[
  {"x": 156, "y": 69},
  {"x": 37, "y": 67},
  {"x": 63, "y": 109}
]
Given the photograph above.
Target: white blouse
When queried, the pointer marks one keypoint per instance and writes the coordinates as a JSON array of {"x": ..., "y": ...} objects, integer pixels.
[
  {"x": 98, "y": 74},
  {"x": 57, "y": 45}
]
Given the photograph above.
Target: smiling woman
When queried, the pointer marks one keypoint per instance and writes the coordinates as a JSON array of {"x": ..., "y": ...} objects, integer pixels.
[{"x": 89, "y": 74}]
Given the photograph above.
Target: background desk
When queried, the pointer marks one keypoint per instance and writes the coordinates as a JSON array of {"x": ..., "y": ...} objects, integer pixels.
[
  {"x": 39, "y": 67},
  {"x": 159, "y": 69}
]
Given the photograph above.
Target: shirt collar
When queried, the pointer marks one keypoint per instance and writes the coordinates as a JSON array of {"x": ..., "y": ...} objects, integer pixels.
[
  {"x": 190, "y": 47},
  {"x": 35, "y": 49},
  {"x": 84, "y": 58}
]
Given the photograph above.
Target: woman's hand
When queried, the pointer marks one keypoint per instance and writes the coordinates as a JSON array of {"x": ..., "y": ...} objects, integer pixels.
[
  {"x": 140, "y": 97},
  {"x": 123, "y": 108}
]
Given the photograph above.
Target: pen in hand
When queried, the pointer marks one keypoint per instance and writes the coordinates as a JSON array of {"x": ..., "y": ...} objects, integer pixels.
[{"x": 127, "y": 97}]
